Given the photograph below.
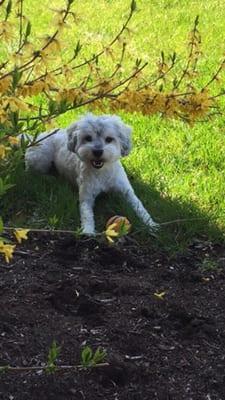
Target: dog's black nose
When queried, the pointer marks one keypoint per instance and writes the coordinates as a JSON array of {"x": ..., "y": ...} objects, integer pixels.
[{"x": 98, "y": 153}]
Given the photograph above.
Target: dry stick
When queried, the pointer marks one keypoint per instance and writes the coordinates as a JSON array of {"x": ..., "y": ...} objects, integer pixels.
[
  {"x": 58, "y": 368},
  {"x": 6, "y": 228},
  {"x": 86, "y": 239},
  {"x": 182, "y": 220}
]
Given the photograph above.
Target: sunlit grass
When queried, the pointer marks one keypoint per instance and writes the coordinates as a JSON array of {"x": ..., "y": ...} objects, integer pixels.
[{"x": 158, "y": 25}]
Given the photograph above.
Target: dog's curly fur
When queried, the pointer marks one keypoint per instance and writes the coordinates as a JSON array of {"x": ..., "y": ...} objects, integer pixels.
[{"x": 87, "y": 153}]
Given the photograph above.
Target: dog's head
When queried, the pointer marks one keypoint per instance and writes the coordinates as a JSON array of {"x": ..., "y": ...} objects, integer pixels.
[{"x": 98, "y": 140}]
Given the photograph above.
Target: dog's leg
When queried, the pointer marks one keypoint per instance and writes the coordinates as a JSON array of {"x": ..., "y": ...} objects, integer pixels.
[
  {"x": 127, "y": 191},
  {"x": 86, "y": 212},
  {"x": 140, "y": 210}
]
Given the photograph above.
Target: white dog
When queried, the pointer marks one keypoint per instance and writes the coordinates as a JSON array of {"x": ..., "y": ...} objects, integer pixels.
[{"x": 87, "y": 154}]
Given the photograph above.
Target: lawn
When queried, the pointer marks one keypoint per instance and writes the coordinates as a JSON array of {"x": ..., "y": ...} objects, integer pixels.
[{"x": 177, "y": 170}]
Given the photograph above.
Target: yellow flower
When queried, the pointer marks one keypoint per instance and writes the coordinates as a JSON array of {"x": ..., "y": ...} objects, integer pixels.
[
  {"x": 3, "y": 151},
  {"x": 17, "y": 58},
  {"x": 13, "y": 140},
  {"x": 6, "y": 33},
  {"x": 3, "y": 116},
  {"x": 111, "y": 233},
  {"x": 67, "y": 71},
  {"x": 160, "y": 295},
  {"x": 7, "y": 250},
  {"x": 14, "y": 104},
  {"x": 5, "y": 84},
  {"x": 21, "y": 234}
]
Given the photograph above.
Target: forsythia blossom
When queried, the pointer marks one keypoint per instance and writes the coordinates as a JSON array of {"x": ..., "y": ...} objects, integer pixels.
[
  {"x": 7, "y": 250},
  {"x": 3, "y": 151},
  {"x": 13, "y": 140},
  {"x": 21, "y": 234},
  {"x": 111, "y": 233}
]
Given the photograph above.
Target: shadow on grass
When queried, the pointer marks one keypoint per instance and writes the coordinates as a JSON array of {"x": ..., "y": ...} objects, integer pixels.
[{"x": 49, "y": 202}]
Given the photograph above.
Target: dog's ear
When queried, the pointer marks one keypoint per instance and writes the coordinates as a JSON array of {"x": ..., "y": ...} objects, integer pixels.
[
  {"x": 72, "y": 132},
  {"x": 124, "y": 132}
]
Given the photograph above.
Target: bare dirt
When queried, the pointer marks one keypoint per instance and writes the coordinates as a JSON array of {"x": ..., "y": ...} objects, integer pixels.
[{"x": 161, "y": 320}]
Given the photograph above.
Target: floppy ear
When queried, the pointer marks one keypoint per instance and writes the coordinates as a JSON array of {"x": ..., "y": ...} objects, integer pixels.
[
  {"x": 124, "y": 136},
  {"x": 72, "y": 133}
]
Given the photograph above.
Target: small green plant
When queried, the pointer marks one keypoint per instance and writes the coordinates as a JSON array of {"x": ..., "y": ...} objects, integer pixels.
[
  {"x": 53, "y": 221},
  {"x": 89, "y": 358},
  {"x": 52, "y": 357},
  {"x": 78, "y": 233},
  {"x": 208, "y": 265},
  {"x": 4, "y": 369}
]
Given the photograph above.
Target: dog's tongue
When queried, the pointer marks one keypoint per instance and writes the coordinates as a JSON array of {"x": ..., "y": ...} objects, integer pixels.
[{"x": 97, "y": 163}]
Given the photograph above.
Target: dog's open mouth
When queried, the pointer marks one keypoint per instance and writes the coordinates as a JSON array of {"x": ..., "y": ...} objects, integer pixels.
[{"x": 97, "y": 163}]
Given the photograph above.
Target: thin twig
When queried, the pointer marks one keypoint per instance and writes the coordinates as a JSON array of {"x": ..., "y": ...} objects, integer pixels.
[
  {"x": 82, "y": 236},
  {"x": 7, "y": 228},
  {"x": 176, "y": 221},
  {"x": 21, "y": 25},
  {"x": 45, "y": 368},
  {"x": 35, "y": 142},
  {"x": 215, "y": 76},
  {"x": 37, "y": 53},
  {"x": 94, "y": 57},
  {"x": 192, "y": 43},
  {"x": 92, "y": 99}
]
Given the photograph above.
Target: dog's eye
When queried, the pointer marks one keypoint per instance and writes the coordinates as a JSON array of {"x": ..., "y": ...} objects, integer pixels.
[
  {"x": 108, "y": 139},
  {"x": 88, "y": 138}
]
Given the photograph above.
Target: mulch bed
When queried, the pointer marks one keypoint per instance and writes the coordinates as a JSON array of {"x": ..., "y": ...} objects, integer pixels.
[{"x": 166, "y": 347}]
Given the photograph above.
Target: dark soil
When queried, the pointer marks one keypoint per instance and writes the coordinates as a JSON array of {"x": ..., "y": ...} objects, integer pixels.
[{"x": 88, "y": 293}]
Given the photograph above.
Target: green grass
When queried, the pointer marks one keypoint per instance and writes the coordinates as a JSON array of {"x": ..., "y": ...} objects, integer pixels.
[
  {"x": 177, "y": 171},
  {"x": 157, "y": 25}
]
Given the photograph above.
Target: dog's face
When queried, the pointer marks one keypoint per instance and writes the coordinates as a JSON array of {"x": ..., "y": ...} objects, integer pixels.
[{"x": 99, "y": 140}]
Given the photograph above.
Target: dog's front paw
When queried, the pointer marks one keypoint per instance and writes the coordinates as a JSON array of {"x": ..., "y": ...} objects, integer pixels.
[
  {"x": 88, "y": 232},
  {"x": 153, "y": 228}
]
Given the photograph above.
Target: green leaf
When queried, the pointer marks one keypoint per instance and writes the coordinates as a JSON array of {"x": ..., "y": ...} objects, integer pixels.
[
  {"x": 28, "y": 30},
  {"x": 1, "y": 225},
  {"x": 197, "y": 20},
  {"x": 86, "y": 356},
  {"x": 52, "y": 106},
  {"x": 17, "y": 75},
  {"x": 53, "y": 353},
  {"x": 77, "y": 49},
  {"x": 133, "y": 6},
  {"x": 99, "y": 356},
  {"x": 90, "y": 359},
  {"x": 8, "y": 9},
  {"x": 52, "y": 357}
]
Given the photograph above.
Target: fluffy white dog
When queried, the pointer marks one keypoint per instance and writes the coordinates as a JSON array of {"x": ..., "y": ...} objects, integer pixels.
[{"x": 87, "y": 154}]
